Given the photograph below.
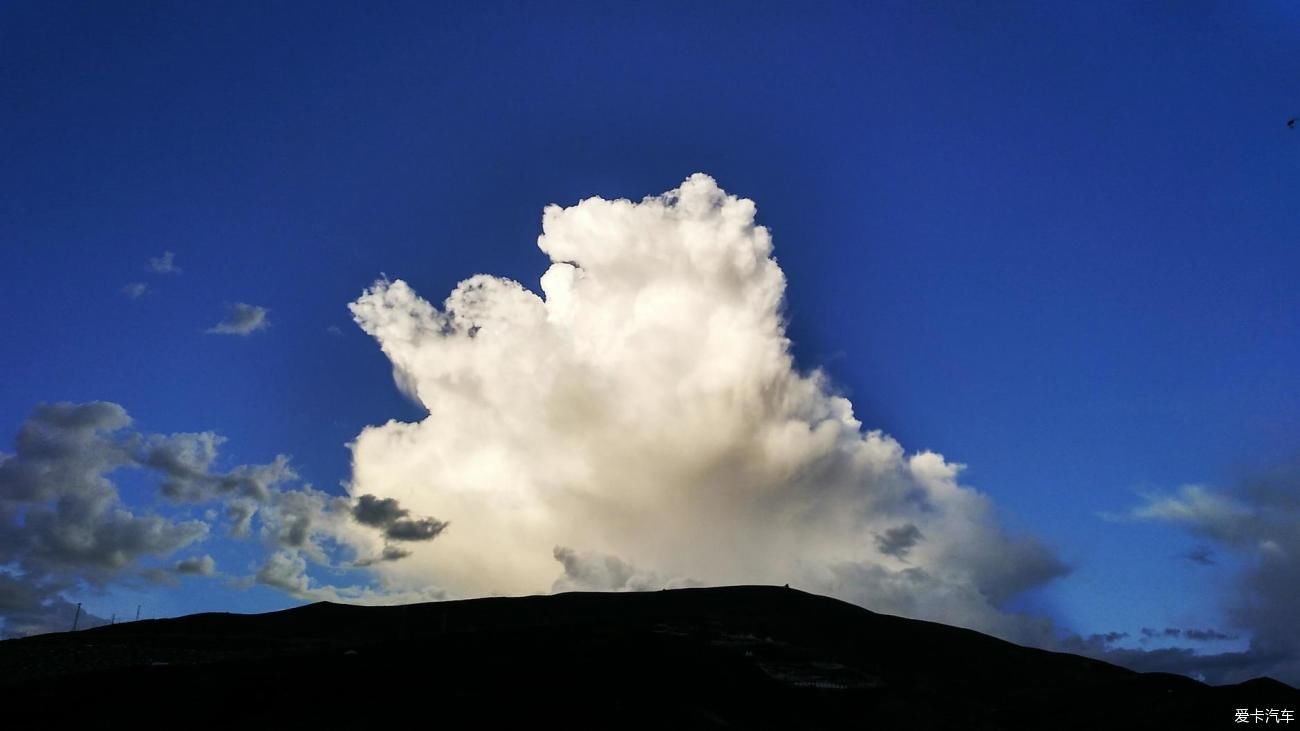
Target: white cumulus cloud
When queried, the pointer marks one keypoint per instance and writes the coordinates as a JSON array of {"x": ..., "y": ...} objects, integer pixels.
[{"x": 642, "y": 421}]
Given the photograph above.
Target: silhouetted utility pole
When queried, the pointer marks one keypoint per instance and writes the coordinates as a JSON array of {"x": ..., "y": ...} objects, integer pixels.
[
  {"x": 76, "y": 617},
  {"x": 113, "y": 619},
  {"x": 137, "y": 612}
]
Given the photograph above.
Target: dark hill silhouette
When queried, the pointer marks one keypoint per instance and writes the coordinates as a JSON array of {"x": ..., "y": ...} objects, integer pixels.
[{"x": 735, "y": 657}]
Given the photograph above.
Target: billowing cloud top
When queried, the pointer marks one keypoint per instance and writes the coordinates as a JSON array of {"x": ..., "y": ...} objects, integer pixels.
[{"x": 645, "y": 413}]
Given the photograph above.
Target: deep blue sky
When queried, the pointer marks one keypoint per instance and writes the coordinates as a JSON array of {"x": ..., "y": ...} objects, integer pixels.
[{"x": 1056, "y": 242}]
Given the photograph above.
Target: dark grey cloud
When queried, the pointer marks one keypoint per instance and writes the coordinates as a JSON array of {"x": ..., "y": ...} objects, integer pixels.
[
  {"x": 296, "y": 515},
  {"x": 1095, "y": 645},
  {"x": 1207, "y": 635},
  {"x": 1174, "y": 633},
  {"x": 423, "y": 529},
  {"x": 390, "y": 553},
  {"x": 596, "y": 571},
  {"x": 1202, "y": 555},
  {"x": 63, "y": 449},
  {"x": 286, "y": 571},
  {"x": 240, "y": 514},
  {"x": 1214, "y": 668},
  {"x": 165, "y": 264},
  {"x": 1010, "y": 566},
  {"x": 389, "y": 515},
  {"x": 294, "y": 518},
  {"x": 196, "y": 566},
  {"x": 897, "y": 541},
  {"x": 31, "y": 607},
  {"x": 160, "y": 576},
  {"x": 65, "y": 529},
  {"x": 186, "y": 461},
  {"x": 94, "y": 532},
  {"x": 592, "y": 571},
  {"x": 377, "y": 512},
  {"x": 242, "y": 319},
  {"x": 16, "y": 594},
  {"x": 60, "y": 510},
  {"x": 1258, "y": 521},
  {"x": 257, "y": 482}
]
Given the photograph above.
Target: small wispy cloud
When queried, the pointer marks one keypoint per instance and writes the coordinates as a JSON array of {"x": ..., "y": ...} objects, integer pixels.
[
  {"x": 135, "y": 290},
  {"x": 165, "y": 264},
  {"x": 1204, "y": 511},
  {"x": 243, "y": 319},
  {"x": 1202, "y": 555}
]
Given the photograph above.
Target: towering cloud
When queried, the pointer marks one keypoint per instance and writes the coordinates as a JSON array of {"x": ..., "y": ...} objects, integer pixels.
[{"x": 642, "y": 423}]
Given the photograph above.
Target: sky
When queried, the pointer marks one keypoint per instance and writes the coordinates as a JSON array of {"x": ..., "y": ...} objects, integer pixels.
[{"x": 977, "y": 314}]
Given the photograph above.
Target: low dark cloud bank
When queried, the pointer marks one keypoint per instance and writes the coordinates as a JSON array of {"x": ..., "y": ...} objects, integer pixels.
[
  {"x": 66, "y": 531},
  {"x": 1259, "y": 522}
]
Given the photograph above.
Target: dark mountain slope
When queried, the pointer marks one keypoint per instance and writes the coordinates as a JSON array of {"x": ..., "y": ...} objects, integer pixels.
[{"x": 737, "y": 657}]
